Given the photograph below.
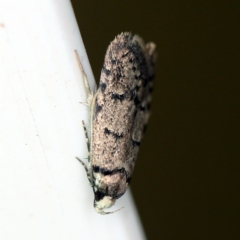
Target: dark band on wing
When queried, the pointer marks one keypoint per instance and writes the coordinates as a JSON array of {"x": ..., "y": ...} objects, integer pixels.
[
  {"x": 98, "y": 109},
  {"x": 136, "y": 143},
  {"x": 120, "y": 97},
  {"x": 106, "y": 71},
  {"x": 103, "y": 86},
  {"x": 116, "y": 135},
  {"x": 106, "y": 172}
]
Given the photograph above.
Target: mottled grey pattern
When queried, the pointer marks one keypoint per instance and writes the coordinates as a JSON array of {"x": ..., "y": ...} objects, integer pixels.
[{"x": 120, "y": 114}]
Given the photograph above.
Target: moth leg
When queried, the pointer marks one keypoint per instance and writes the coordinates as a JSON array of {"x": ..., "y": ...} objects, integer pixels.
[
  {"x": 88, "y": 170},
  {"x": 84, "y": 165},
  {"x": 90, "y": 97},
  {"x": 89, "y": 91},
  {"x": 87, "y": 138}
]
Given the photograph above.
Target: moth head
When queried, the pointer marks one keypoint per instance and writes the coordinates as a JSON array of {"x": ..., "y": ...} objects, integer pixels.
[{"x": 102, "y": 202}]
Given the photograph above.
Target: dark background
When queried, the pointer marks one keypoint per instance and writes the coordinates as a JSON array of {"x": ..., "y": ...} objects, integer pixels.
[{"x": 186, "y": 181}]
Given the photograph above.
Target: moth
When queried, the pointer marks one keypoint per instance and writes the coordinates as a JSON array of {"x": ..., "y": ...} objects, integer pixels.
[{"x": 119, "y": 115}]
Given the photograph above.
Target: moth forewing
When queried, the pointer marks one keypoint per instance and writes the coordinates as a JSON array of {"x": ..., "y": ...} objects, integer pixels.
[{"x": 119, "y": 114}]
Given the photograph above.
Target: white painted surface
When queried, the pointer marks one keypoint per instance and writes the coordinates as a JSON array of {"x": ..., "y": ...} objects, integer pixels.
[{"x": 44, "y": 191}]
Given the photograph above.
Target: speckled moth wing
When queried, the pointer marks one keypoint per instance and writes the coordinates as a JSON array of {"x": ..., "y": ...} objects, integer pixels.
[{"x": 120, "y": 113}]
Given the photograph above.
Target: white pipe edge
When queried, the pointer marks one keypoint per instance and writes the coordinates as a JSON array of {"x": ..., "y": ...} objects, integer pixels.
[{"x": 44, "y": 191}]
